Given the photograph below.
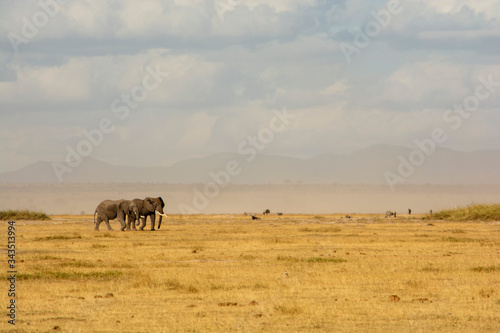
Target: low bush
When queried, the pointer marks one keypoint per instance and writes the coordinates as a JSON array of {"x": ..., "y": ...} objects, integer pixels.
[
  {"x": 469, "y": 213},
  {"x": 24, "y": 214}
]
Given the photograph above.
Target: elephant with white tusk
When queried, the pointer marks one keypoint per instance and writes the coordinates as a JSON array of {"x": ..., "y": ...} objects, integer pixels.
[
  {"x": 116, "y": 209},
  {"x": 149, "y": 207},
  {"x": 164, "y": 215}
]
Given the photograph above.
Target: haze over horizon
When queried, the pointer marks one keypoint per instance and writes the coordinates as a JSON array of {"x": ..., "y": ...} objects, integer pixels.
[
  {"x": 159, "y": 82},
  {"x": 302, "y": 157}
]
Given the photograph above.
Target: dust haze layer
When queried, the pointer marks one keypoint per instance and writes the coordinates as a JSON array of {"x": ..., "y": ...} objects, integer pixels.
[
  {"x": 366, "y": 166},
  {"x": 237, "y": 199},
  {"x": 328, "y": 183}
]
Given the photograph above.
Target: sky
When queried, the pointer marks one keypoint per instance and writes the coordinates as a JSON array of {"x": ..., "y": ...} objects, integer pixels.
[{"x": 154, "y": 82}]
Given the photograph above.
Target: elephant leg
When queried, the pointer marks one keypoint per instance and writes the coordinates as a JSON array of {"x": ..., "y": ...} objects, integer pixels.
[
  {"x": 143, "y": 222},
  {"x": 121, "y": 219},
  {"x": 108, "y": 225},
  {"x": 123, "y": 224},
  {"x": 131, "y": 222},
  {"x": 99, "y": 220},
  {"x": 152, "y": 217},
  {"x": 97, "y": 223},
  {"x": 128, "y": 219}
]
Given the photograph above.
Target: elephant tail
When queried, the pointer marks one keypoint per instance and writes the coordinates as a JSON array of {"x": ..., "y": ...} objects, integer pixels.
[{"x": 94, "y": 215}]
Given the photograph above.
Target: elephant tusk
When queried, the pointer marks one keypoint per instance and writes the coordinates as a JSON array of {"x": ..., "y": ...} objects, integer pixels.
[{"x": 164, "y": 215}]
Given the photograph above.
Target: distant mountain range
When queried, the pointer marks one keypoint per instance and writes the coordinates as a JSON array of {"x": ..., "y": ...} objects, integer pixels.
[{"x": 366, "y": 166}]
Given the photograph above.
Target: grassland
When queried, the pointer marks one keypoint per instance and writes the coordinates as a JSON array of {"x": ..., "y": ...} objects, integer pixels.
[{"x": 227, "y": 273}]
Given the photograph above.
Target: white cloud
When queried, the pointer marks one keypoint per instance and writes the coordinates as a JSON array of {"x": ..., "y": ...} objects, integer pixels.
[
  {"x": 338, "y": 88},
  {"x": 37, "y": 84},
  {"x": 433, "y": 78},
  {"x": 226, "y": 75},
  {"x": 491, "y": 8}
]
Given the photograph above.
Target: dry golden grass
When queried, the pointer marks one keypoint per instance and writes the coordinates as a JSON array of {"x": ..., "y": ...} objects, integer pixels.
[{"x": 320, "y": 273}]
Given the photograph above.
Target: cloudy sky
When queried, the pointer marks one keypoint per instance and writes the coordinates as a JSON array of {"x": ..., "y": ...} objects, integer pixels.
[{"x": 168, "y": 80}]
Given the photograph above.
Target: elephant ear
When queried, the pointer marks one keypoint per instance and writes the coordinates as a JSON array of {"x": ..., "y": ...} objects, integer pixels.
[
  {"x": 123, "y": 206},
  {"x": 149, "y": 204},
  {"x": 161, "y": 201},
  {"x": 138, "y": 203}
]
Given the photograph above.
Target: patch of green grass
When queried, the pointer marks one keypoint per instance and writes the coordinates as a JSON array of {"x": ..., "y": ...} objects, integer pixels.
[
  {"x": 174, "y": 284},
  {"x": 259, "y": 286},
  {"x": 458, "y": 239},
  {"x": 58, "y": 237},
  {"x": 329, "y": 229},
  {"x": 289, "y": 310},
  {"x": 218, "y": 287},
  {"x": 47, "y": 257},
  {"x": 192, "y": 289},
  {"x": 430, "y": 268},
  {"x": 22, "y": 214},
  {"x": 108, "y": 235},
  {"x": 310, "y": 260},
  {"x": 469, "y": 213},
  {"x": 321, "y": 260},
  {"x": 77, "y": 264},
  {"x": 287, "y": 258},
  {"x": 59, "y": 275},
  {"x": 278, "y": 240},
  {"x": 486, "y": 269}
]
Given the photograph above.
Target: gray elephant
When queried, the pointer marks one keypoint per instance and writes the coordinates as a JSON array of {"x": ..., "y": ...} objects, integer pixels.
[
  {"x": 148, "y": 207},
  {"x": 116, "y": 209}
]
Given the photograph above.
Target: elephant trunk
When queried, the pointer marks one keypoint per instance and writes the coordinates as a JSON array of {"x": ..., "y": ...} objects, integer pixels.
[
  {"x": 137, "y": 215},
  {"x": 161, "y": 216}
]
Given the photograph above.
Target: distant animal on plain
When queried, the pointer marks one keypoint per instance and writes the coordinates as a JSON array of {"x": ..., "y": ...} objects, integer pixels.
[
  {"x": 255, "y": 217},
  {"x": 390, "y": 213},
  {"x": 348, "y": 216},
  {"x": 279, "y": 214}
]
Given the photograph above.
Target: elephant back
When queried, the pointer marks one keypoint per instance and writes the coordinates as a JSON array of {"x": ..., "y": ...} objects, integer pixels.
[{"x": 140, "y": 206}]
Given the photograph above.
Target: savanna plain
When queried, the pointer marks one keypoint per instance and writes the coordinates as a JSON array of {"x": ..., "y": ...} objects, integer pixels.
[{"x": 228, "y": 273}]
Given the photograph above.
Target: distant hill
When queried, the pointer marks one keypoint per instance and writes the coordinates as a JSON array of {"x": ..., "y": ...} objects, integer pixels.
[{"x": 366, "y": 166}]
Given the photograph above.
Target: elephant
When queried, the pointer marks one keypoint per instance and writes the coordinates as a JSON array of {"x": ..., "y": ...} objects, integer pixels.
[
  {"x": 116, "y": 209},
  {"x": 148, "y": 207}
]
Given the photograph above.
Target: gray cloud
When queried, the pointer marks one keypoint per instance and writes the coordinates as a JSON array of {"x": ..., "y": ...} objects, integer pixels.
[{"x": 227, "y": 74}]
